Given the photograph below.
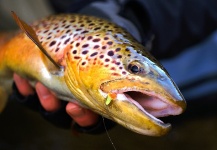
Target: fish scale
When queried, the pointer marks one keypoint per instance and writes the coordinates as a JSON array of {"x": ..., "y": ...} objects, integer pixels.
[{"x": 96, "y": 63}]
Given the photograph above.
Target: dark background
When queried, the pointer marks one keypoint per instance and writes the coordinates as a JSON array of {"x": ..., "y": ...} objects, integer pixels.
[{"x": 21, "y": 128}]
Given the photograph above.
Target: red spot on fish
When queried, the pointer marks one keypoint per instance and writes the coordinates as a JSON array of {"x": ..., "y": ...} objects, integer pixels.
[
  {"x": 115, "y": 74},
  {"x": 113, "y": 68},
  {"x": 77, "y": 57}
]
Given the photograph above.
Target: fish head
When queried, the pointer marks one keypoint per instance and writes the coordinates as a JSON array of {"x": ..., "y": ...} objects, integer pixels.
[{"x": 117, "y": 78}]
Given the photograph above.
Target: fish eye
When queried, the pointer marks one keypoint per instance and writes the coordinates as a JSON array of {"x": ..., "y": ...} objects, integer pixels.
[{"x": 135, "y": 67}]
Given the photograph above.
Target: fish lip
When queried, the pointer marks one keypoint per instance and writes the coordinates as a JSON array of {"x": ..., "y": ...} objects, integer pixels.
[{"x": 122, "y": 93}]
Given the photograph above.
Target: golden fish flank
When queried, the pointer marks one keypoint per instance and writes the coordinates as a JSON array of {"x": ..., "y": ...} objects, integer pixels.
[{"x": 105, "y": 69}]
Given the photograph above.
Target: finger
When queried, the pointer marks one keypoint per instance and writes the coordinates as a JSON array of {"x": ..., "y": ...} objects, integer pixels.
[
  {"x": 47, "y": 99},
  {"x": 83, "y": 117},
  {"x": 23, "y": 85}
]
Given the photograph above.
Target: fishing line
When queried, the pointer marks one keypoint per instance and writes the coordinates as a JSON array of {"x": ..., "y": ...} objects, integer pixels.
[{"x": 113, "y": 145}]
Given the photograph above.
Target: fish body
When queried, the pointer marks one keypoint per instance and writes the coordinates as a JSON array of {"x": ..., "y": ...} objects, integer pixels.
[{"x": 101, "y": 66}]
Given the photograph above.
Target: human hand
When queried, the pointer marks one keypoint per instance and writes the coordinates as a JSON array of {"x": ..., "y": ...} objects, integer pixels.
[{"x": 82, "y": 116}]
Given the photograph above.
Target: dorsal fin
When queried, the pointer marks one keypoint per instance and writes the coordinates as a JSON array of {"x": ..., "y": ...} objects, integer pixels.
[{"x": 32, "y": 35}]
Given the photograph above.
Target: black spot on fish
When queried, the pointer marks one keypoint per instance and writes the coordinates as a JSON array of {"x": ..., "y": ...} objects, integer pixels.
[
  {"x": 45, "y": 31},
  {"x": 110, "y": 43},
  {"x": 57, "y": 49},
  {"x": 52, "y": 43},
  {"x": 106, "y": 38},
  {"x": 94, "y": 54},
  {"x": 96, "y": 46},
  {"x": 119, "y": 56},
  {"x": 110, "y": 53},
  {"x": 68, "y": 31},
  {"x": 117, "y": 63},
  {"x": 77, "y": 44},
  {"x": 101, "y": 56},
  {"x": 74, "y": 51},
  {"x": 66, "y": 41},
  {"x": 78, "y": 29},
  {"x": 63, "y": 36},
  {"x": 83, "y": 63},
  {"x": 127, "y": 49},
  {"x": 89, "y": 37},
  {"x": 124, "y": 73},
  {"x": 85, "y": 45},
  {"x": 117, "y": 49},
  {"x": 91, "y": 24},
  {"x": 85, "y": 52},
  {"x": 67, "y": 26},
  {"x": 97, "y": 28},
  {"x": 84, "y": 32},
  {"x": 96, "y": 40},
  {"x": 107, "y": 60}
]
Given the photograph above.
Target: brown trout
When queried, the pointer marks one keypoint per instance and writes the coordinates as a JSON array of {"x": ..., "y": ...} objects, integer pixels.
[{"x": 97, "y": 63}]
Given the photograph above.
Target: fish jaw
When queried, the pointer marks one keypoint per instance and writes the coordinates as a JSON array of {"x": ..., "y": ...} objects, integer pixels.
[
  {"x": 138, "y": 104},
  {"x": 130, "y": 114}
]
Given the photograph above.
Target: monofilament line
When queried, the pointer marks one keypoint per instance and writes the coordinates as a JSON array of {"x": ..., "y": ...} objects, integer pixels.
[{"x": 108, "y": 133}]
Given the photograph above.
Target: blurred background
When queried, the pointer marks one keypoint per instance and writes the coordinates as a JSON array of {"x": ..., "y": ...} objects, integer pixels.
[{"x": 22, "y": 128}]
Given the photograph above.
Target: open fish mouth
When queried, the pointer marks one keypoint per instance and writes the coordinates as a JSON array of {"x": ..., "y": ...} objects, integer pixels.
[
  {"x": 150, "y": 103},
  {"x": 138, "y": 107}
]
